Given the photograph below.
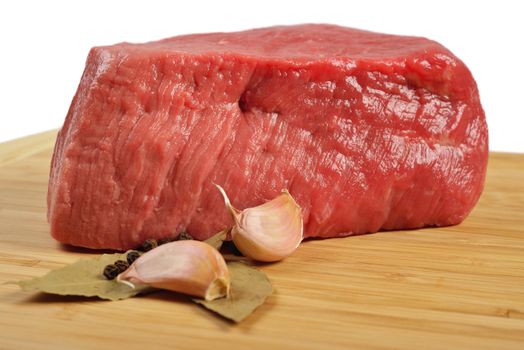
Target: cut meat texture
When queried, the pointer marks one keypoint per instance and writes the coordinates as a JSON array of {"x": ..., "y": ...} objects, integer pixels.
[{"x": 367, "y": 131}]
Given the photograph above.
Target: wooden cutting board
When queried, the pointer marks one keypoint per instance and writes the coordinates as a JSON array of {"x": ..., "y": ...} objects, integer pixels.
[{"x": 438, "y": 288}]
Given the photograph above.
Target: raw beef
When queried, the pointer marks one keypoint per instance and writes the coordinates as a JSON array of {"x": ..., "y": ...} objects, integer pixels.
[{"x": 367, "y": 131}]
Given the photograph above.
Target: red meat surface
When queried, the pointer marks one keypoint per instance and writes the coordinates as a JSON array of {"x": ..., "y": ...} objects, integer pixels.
[{"x": 367, "y": 131}]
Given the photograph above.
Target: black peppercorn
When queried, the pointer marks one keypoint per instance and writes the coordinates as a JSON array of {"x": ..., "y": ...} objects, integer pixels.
[
  {"x": 111, "y": 271},
  {"x": 235, "y": 250},
  {"x": 184, "y": 236},
  {"x": 165, "y": 240},
  {"x": 148, "y": 245},
  {"x": 132, "y": 256},
  {"x": 122, "y": 265},
  {"x": 230, "y": 247}
]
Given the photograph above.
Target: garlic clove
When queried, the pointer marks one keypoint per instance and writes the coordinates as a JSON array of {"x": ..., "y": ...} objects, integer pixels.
[
  {"x": 189, "y": 267},
  {"x": 268, "y": 232}
]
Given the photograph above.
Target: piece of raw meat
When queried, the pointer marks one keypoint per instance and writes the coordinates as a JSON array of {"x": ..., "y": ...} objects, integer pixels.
[{"x": 367, "y": 131}]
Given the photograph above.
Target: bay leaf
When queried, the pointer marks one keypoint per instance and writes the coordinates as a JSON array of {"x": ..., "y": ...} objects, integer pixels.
[
  {"x": 217, "y": 239},
  {"x": 249, "y": 289},
  {"x": 249, "y": 286},
  {"x": 83, "y": 278}
]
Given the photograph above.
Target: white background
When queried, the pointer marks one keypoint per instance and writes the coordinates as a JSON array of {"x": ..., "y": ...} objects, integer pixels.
[{"x": 44, "y": 45}]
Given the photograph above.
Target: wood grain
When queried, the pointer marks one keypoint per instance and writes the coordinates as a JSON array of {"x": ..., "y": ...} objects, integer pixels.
[{"x": 440, "y": 288}]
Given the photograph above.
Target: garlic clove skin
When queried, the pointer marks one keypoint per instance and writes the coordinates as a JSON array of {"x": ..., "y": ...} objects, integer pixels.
[
  {"x": 189, "y": 267},
  {"x": 269, "y": 232}
]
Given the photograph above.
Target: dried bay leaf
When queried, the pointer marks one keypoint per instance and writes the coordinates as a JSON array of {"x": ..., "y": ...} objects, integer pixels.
[
  {"x": 83, "y": 278},
  {"x": 249, "y": 289},
  {"x": 217, "y": 239}
]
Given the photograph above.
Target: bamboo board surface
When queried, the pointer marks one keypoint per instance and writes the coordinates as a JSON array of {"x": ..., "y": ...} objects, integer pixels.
[{"x": 440, "y": 288}]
